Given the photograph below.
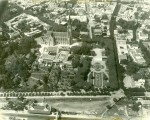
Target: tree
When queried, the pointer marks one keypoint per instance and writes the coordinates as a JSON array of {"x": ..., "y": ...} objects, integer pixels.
[
  {"x": 86, "y": 48},
  {"x": 111, "y": 64},
  {"x": 75, "y": 34},
  {"x": 84, "y": 27},
  {"x": 76, "y": 23},
  {"x": 132, "y": 68},
  {"x": 124, "y": 62},
  {"x": 135, "y": 107},
  {"x": 3, "y": 38},
  {"x": 138, "y": 76},
  {"x": 54, "y": 76},
  {"x": 26, "y": 44},
  {"x": 144, "y": 16},
  {"x": 79, "y": 81},
  {"x": 76, "y": 61},
  {"x": 97, "y": 19},
  {"x": 73, "y": 2},
  {"x": 136, "y": 14},
  {"x": 146, "y": 31},
  {"x": 11, "y": 64},
  {"x": 76, "y": 50},
  {"x": 104, "y": 17}
]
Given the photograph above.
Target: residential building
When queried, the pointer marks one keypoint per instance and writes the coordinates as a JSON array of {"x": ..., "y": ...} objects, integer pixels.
[
  {"x": 141, "y": 35},
  {"x": 136, "y": 55},
  {"x": 140, "y": 83}
]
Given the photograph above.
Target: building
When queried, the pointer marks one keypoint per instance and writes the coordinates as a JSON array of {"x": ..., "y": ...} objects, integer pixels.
[
  {"x": 140, "y": 83},
  {"x": 81, "y": 18},
  {"x": 60, "y": 38},
  {"x": 48, "y": 54},
  {"x": 25, "y": 24},
  {"x": 97, "y": 31},
  {"x": 122, "y": 49},
  {"x": 39, "y": 108},
  {"x": 137, "y": 56},
  {"x": 141, "y": 35}
]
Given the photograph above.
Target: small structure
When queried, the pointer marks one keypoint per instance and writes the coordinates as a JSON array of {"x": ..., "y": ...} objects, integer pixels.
[
  {"x": 39, "y": 108},
  {"x": 140, "y": 83}
]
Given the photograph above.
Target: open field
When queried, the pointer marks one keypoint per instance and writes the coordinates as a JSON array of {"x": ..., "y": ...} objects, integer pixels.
[{"x": 80, "y": 105}]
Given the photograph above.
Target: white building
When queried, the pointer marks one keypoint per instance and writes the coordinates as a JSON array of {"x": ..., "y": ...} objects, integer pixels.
[
  {"x": 122, "y": 49},
  {"x": 140, "y": 83},
  {"x": 136, "y": 54}
]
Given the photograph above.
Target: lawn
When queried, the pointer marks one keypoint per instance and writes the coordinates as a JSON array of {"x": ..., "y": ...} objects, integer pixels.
[
  {"x": 80, "y": 105},
  {"x": 37, "y": 75}
]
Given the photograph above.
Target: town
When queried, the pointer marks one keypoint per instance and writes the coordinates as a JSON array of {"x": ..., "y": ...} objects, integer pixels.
[{"x": 57, "y": 55}]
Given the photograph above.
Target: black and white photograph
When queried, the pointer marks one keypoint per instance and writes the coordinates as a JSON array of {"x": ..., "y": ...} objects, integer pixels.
[{"x": 74, "y": 59}]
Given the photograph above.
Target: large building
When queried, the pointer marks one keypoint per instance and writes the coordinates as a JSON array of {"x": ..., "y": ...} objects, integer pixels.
[
  {"x": 121, "y": 49},
  {"x": 60, "y": 38},
  {"x": 136, "y": 55}
]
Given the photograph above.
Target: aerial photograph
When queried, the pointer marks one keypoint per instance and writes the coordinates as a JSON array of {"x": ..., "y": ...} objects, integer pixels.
[{"x": 74, "y": 59}]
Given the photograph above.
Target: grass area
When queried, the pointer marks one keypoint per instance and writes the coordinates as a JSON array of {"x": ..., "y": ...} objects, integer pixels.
[
  {"x": 37, "y": 75},
  {"x": 80, "y": 105}
]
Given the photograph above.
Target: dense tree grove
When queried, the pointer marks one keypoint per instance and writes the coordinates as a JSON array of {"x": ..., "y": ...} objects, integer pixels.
[
  {"x": 79, "y": 81},
  {"x": 131, "y": 25},
  {"x": 132, "y": 68},
  {"x": 111, "y": 64},
  {"x": 85, "y": 49},
  {"x": 15, "y": 66},
  {"x": 145, "y": 52}
]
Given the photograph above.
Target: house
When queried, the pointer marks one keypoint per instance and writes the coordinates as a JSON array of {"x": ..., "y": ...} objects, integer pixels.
[
  {"x": 97, "y": 31},
  {"x": 39, "y": 108},
  {"x": 137, "y": 56},
  {"x": 140, "y": 83},
  {"x": 141, "y": 35}
]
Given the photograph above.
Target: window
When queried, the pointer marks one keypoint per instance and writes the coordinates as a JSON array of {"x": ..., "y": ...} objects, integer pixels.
[{"x": 121, "y": 47}]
